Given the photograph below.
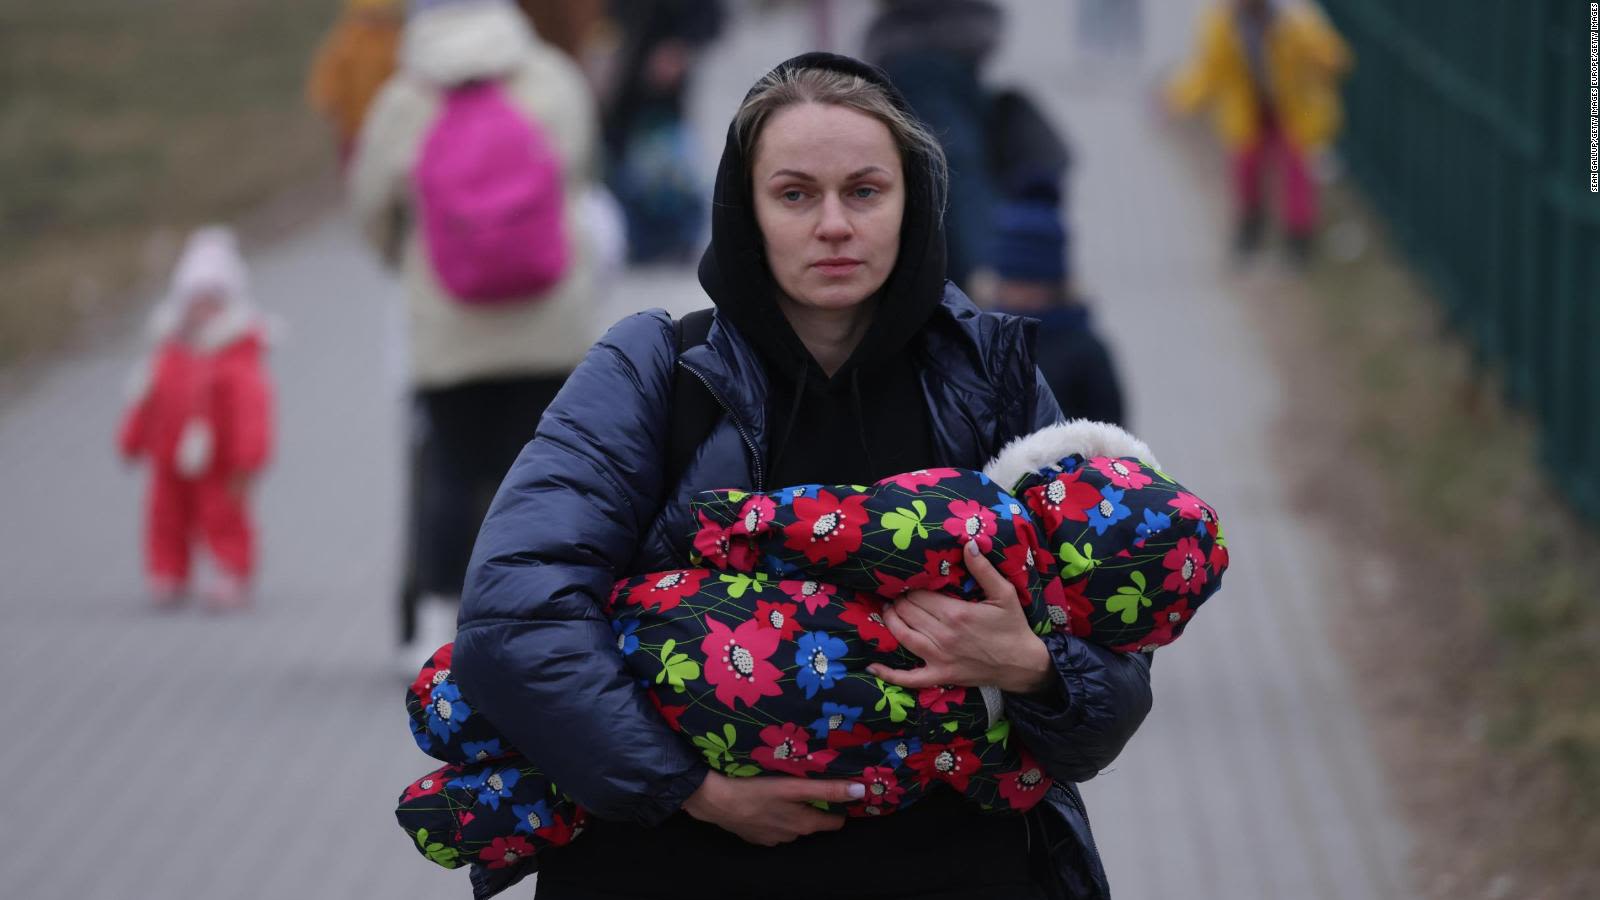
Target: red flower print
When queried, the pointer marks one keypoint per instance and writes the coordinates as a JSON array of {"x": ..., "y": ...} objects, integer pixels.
[
  {"x": 940, "y": 697},
  {"x": 1029, "y": 536},
  {"x": 1188, "y": 567},
  {"x": 1191, "y": 507},
  {"x": 430, "y": 784},
  {"x": 1026, "y": 786},
  {"x": 670, "y": 713},
  {"x": 1019, "y": 562},
  {"x": 1123, "y": 473},
  {"x": 865, "y": 612},
  {"x": 883, "y": 791},
  {"x": 616, "y": 594},
  {"x": 736, "y": 661},
  {"x": 662, "y": 591},
  {"x": 814, "y": 594},
  {"x": 1219, "y": 558},
  {"x": 940, "y": 568},
  {"x": 434, "y": 673},
  {"x": 1062, "y": 499},
  {"x": 827, "y": 529},
  {"x": 1166, "y": 623},
  {"x": 505, "y": 852},
  {"x": 972, "y": 521},
  {"x": 559, "y": 832},
  {"x": 755, "y": 516},
  {"x": 893, "y": 588},
  {"x": 779, "y": 616},
  {"x": 921, "y": 478},
  {"x": 721, "y": 548},
  {"x": 952, "y": 763},
  {"x": 786, "y": 751},
  {"x": 859, "y": 735},
  {"x": 1069, "y": 609}
]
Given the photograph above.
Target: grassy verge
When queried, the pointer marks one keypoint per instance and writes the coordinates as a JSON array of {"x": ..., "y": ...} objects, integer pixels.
[
  {"x": 1478, "y": 652},
  {"x": 124, "y": 124}
]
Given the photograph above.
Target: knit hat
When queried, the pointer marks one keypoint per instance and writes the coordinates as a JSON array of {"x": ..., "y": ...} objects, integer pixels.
[{"x": 1029, "y": 242}]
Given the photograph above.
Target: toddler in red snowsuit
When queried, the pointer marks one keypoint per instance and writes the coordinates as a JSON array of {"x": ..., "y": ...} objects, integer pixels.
[{"x": 201, "y": 412}]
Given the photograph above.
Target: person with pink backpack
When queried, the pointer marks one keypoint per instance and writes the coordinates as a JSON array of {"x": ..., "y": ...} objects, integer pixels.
[{"x": 469, "y": 177}]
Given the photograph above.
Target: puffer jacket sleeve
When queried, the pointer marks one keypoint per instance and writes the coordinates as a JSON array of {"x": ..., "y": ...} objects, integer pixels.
[
  {"x": 1079, "y": 724},
  {"x": 534, "y": 648}
]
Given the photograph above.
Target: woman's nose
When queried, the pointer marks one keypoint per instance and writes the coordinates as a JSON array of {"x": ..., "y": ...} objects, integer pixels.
[{"x": 835, "y": 224}]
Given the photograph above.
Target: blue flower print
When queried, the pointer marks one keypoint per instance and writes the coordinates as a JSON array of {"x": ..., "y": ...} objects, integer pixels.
[
  {"x": 624, "y": 629},
  {"x": 1154, "y": 523},
  {"x": 532, "y": 816},
  {"x": 421, "y": 736},
  {"x": 482, "y": 750},
  {"x": 1109, "y": 511},
  {"x": 790, "y": 494},
  {"x": 818, "y": 659},
  {"x": 896, "y": 751},
  {"x": 835, "y": 717},
  {"x": 779, "y": 568},
  {"x": 491, "y": 785},
  {"x": 447, "y": 711}
]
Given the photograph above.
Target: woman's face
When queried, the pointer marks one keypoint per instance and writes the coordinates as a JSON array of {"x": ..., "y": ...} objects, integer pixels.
[{"x": 829, "y": 196}]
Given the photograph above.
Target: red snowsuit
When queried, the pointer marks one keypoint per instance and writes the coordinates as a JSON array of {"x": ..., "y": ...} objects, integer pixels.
[{"x": 222, "y": 399}]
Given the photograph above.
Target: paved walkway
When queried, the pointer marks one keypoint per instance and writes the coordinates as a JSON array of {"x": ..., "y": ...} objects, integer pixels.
[{"x": 191, "y": 756}]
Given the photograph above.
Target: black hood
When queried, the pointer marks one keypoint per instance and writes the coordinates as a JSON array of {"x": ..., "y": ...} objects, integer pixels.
[{"x": 735, "y": 274}]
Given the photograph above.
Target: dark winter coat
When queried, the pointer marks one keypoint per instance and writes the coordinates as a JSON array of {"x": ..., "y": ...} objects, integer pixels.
[{"x": 533, "y": 646}]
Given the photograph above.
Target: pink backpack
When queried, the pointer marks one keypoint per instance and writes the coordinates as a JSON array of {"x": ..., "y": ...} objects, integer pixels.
[{"x": 489, "y": 191}]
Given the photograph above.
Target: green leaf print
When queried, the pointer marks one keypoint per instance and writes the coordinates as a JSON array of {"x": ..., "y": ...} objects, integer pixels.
[
  {"x": 951, "y": 726},
  {"x": 1075, "y": 563},
  {"x": 738, "y": 584},
  {"x": 736, "y": 496},
  {"x": 676, "y": 667},
  {"x": 999, "y": 733},
  {"x": 437, "y": 852},
  {"x": 743, "y": 770},
  {"x": 905, "y": 522},
  {"x": 895, "y": 698},
  {"x": 717, "y": 749},
  {"x": 1129, "y": 598}
]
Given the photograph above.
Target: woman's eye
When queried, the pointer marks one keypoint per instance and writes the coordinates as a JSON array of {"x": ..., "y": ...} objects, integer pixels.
[
  {"x": 865, "y": 193},
  {"x": 793, "y": 196}
]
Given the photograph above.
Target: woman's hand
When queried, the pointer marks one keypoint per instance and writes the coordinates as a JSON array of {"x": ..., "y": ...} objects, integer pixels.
[
  {"x": 968, "y": 644},
  {"x": 770, "y": 810}
]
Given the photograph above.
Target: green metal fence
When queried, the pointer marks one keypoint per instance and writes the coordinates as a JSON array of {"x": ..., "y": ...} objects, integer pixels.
[{"x": 1468, "y": 127}]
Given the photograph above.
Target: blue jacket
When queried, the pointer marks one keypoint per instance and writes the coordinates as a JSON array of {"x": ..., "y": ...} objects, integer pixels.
[{"x": 587, "y": 502}]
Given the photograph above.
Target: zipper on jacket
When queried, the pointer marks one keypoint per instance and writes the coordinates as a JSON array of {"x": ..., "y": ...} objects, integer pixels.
[
  {"x": 1077, "y": 803},
  {"x": 744, "y": 435}
]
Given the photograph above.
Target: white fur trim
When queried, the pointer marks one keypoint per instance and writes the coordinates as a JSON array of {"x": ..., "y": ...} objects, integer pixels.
[
  {"x": 1053, "y": 443},
  {"x": 459, "y": 42}
]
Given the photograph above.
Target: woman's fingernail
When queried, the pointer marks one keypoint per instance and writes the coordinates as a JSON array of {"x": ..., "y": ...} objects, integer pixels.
[
  {"x": 972, "y": 548},
  {"x": 857, "y": 791}
]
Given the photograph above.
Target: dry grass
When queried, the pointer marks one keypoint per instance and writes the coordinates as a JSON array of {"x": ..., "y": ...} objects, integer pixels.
[
  {"x": 124, "y": 124},
  {"x": 1476, "y": 651}
]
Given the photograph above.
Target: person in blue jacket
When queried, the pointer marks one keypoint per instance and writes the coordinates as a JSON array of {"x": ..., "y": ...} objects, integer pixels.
[{"x": 837, "y": 353}]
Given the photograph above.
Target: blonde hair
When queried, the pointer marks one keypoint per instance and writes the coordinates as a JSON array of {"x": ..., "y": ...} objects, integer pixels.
[{"x": 783, "y": 88}]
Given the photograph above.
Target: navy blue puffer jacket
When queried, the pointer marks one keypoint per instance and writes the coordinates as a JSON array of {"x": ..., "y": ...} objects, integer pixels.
[{"x": 588, "y": 502}]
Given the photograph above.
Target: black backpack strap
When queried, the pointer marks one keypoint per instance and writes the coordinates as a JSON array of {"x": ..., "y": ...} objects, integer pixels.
[{"x": 694, "y": 412}]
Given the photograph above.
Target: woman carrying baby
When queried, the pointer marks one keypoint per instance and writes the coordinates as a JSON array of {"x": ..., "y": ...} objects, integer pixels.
[{"x": 837, "y": 355}]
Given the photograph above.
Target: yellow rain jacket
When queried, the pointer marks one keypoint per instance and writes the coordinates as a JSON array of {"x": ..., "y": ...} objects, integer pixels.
[
  {"x": 354, "y": 61},
  {"x": 1305, "y": 57}
]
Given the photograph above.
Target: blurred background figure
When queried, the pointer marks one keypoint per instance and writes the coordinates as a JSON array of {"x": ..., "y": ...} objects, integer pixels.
[
  {"x": 482, "y": 142},
  {"x": 1032, "y": 278},
  {"x": 1270, "y": 72},
  {"x": 650, "y": 154},
  {"x": 201, "y": 419},
  {"x": 934, "y": 52},
  {"x": 351, "y": 65},
  {"x": 1110, "y": 29}
]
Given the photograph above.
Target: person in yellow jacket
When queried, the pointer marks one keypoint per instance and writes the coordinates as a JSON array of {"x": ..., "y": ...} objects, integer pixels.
[
  {"x": 355, "y": 59},
  {"x": 1269, "y": 72}
]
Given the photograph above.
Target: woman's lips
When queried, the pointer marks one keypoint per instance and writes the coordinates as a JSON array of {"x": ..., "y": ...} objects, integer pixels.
[{"x": 836, "y": 266}]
